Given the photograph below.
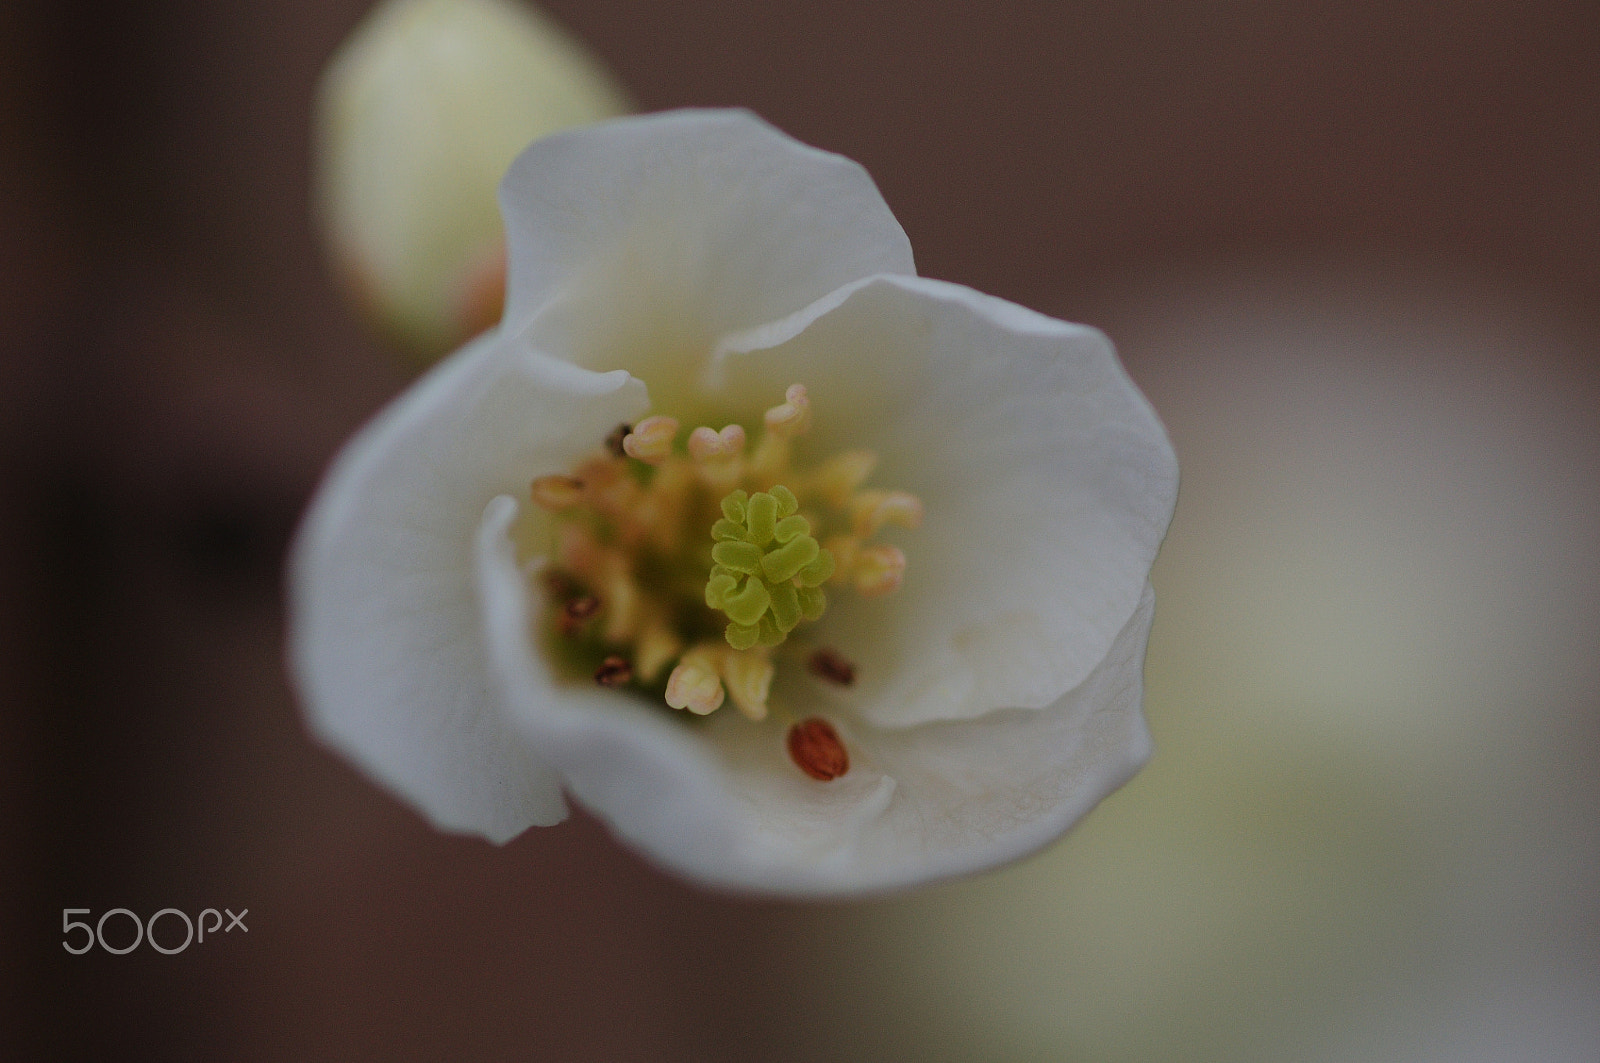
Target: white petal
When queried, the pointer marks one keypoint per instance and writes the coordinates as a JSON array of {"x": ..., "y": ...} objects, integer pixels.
[
  {"x": 972, "y": 794},
  {"x": 632, "y": 763},
  {"x": 386, "y": 642},
  {"x": 1048, "y": 484},
  {"x": 638, "y": 242}
]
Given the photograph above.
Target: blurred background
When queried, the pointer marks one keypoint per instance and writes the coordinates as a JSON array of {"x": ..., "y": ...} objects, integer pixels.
[{"x": 1350, "y": 250}]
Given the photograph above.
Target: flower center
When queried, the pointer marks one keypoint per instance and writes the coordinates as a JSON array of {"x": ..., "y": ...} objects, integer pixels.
[{"x": 681, "y": 561}]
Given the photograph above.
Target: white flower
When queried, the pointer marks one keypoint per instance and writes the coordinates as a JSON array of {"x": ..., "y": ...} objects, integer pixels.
[{"x": 694, "y": 266}]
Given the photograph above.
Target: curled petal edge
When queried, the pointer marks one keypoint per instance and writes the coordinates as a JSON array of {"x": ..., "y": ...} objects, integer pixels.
[{"x": 385, "y": 645}]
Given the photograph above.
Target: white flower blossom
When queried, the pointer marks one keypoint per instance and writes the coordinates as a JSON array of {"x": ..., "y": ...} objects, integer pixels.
[{"x": 488, "y": 600}]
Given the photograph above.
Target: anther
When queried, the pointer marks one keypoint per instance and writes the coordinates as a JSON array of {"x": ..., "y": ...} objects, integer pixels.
[
  {"x": 614, "y": 440},
  {"x": 576, "y": 612},
  {"x": 815, "y": 748},
  {"x": 651, "y": 439},
  {"x": 871, "y": 510},
  {"x": 748, "y": 677},
  {"x": 556, "y": 492},
  {"x": 793, "y": 416},
  {"x": 656, "y": 646},
  {"x": 826, "y": 664},
  {"x": 694, "y": 684},
  {"x": 706, "y": 445},
  {"x": 614, "y": 671},
  {"x": 841, "y": 474},
  {"x": 878, "y": 570}
]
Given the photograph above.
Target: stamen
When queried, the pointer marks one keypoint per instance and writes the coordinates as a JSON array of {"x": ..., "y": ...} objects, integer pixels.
[
  {"x": 651, "y": 439},
  {"x": 706, "y": 445},
  {"x": 614, "y": 671},
  {"x": 878, "y": 570},
  {"x": 749, "y": 678},
  {"x": 556, "y": 492},
  {"x": 793, "y": 416},
  {"x": 815, "y": 748},
  {"x": 694, "y": 684},
  {"x": 826, "y": 664},
  {"x": 842, "y": 474},
  {"x": 656, "y": 646},
  {"x": 871, "y": 510}
]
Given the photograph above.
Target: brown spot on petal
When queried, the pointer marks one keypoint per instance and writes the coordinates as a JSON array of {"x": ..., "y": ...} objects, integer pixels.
[
  {"x": 613, "y": 671},
  {"x": 815, "y": 748},
  {"x": 826, "y": 664}
]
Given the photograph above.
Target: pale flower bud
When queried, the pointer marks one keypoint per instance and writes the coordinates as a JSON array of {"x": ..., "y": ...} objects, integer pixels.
[{"x": 418, "y": 116}]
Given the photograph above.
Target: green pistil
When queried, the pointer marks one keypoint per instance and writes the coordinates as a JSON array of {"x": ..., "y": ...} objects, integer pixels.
[{"x": 767, "y": 570}]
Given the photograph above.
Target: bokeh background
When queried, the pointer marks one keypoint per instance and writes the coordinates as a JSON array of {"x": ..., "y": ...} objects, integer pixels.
[{"x": 1351, "y": 251}]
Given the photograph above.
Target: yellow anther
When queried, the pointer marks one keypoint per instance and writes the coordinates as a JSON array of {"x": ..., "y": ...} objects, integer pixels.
[
  {"x": 748, "y": 675},
  {"x": 793, "y": 416},
  {"x": 556, "y": 492},
  {"x": 878, "y": 570},
  {"x": 695, "y": 684},
  {"x": 871, "y": 510},
  {"x": 706, "y": 445},
  {"x": 838, "y": 477},
  {"x": 651, "y": 439}
]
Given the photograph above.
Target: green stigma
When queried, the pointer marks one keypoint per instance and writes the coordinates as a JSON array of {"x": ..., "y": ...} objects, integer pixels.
[{"x": 767, "y": 570}]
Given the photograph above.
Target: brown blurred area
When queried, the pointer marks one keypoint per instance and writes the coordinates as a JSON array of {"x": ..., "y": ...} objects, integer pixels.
[{"x": 177, "y": 369}]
